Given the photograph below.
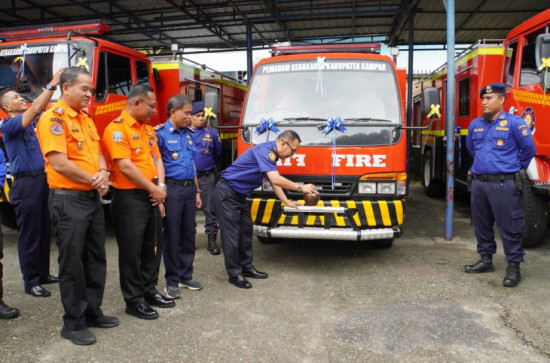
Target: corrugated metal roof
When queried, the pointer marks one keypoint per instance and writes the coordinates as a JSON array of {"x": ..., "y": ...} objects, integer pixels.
[{"x": 217, "y": 24}]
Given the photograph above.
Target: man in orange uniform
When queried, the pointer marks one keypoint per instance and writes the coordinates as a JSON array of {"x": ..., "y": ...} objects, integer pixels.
[
  {"x": 77, "y": 175},
  {"x": 138, "y": 182}
]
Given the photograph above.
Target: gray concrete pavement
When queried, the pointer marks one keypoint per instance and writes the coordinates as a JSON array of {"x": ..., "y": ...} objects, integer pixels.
[{"x": 325, "y": 301}]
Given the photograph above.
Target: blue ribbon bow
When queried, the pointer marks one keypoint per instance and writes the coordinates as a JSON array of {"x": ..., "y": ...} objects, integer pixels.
[
  {"x": 334, "y": 124},
  {"x": 266, "y": 125}
]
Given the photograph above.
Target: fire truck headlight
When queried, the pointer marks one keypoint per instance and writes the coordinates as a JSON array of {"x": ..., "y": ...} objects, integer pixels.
[
  {"x": 386, "y": 188},
  {"x": 366, "y": 188}
]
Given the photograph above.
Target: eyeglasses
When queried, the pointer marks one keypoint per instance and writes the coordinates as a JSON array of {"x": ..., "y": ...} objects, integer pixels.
[
  {"x": 291, "y": 148},
  {"x": 152, "y": 105}
]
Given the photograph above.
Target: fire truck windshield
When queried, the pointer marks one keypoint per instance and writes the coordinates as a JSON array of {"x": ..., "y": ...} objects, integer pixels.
[
  {"x": 302, "y": 95},
  {"x": 28, "y": 67}
]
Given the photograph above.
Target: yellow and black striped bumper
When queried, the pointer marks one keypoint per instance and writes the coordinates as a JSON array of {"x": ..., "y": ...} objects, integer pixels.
[
  {"x": 4, "y": 194},
  {"x": 357, "y": 215}
]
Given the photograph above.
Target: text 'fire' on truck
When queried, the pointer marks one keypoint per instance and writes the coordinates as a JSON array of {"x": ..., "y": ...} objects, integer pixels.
[
  {"x": 30, "y": 57},
  {"x": 522, "y": 62},
  {"x": 347, "y": 105}
]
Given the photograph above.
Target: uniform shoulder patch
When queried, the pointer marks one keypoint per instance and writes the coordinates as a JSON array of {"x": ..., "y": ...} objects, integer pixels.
[
  {"x": 272, "y": 156},
  {"x": 59, "y": 111},
  {"x": 56, "y": 128},
  {"x": 55, "y": 119},
  {"x": 118, "y": 119},
  {"x": 117, "y": 136}
]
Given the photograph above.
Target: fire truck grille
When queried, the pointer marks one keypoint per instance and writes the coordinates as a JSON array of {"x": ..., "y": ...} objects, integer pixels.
[{"x": 339, "y": 188}]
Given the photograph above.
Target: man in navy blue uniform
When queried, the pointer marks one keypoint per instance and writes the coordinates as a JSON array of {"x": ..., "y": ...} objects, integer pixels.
[
  {"x": 208, "y": 149},
  {"x": 501, "y": 145},
  {"x": 229, "y": 198},
  {"x": 29, "y": 191},
  {"x": 177, "y": 148}
]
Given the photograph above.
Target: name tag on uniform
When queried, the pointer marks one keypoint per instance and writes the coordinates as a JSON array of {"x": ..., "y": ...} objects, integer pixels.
[
  {"x": 135, "y": 138},
  {"x": 172, "y": 141}
]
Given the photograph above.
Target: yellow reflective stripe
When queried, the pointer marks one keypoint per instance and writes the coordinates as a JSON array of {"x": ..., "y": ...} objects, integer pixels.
[
  {"x": 398, "y": 211},
  {"x": 384, "y": 212},
  {"x": 268, "y": 210},
  {"x": 352, "y": 205},
  {"x": 254, "y": 208},
  {"x": 339, "y": 220},
  {"x": 369, "y": 213},
  {"x": 310, "y": 221}
]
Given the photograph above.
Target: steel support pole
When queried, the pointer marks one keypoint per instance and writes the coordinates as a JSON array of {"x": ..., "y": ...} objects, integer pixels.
[
  {"x": 450, "y": 106},
  {"x": 409, "y": 94},
  {"x": 248, "y": 51}
]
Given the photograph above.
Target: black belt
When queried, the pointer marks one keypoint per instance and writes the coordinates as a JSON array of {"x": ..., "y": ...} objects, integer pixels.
[
  {"x": 29, "y": 175},
  {"x": 200, "y": 174},
  {"x": 185, "y": 183},
  {"x": 90, "y": 194},
  {"x": 495, "y": 177}
]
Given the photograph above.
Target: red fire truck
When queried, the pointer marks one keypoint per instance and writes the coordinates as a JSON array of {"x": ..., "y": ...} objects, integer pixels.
[
  {"x": 347, "y": 105},
  {"x": 518, "y": 62},
  {"x": 29, "y": 58}
]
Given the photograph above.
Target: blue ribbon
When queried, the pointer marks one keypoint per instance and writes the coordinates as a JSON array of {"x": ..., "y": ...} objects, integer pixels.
[
  {"x": 457, "y": 133},
  {"x": 334, "y": 124},
  {"x": 24, "y": 49},
  {"x": 266, "y": 125}
]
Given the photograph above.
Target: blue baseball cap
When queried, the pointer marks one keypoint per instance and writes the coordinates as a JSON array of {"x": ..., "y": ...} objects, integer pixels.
[
  {"x": 197, "y": 107},
  {"x": 493, "y": 88}
]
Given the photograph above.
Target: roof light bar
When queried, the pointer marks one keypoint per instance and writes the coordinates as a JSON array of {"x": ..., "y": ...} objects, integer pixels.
[{"x": 50, "y": 31}]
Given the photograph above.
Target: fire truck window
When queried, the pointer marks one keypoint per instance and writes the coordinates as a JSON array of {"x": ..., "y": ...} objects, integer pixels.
[
  {"x": 510, "y": 63},
  {"x": 142, "y": 72},
  {"x": 529, "y": 73},
  {"x": 114, "y": 75},
  {"x": 194, "y": 93},
  {"x": 464, "y": 97}
]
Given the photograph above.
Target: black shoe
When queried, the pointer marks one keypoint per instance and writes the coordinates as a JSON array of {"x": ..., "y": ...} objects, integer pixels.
[
  {"x": 159, "y": 301},
  {"x": 212, "y": 246},
  {"x": 255, "y": 274},
  {"x": 37, "y": 291},
  {"x": 49, "y": 280},
  {"x": 513, "y": 276},
  {"x": 240, "y": 281},
  {"x": 142, "y": 311},
  {"x": 103, "y": 322},
  {"x": 6, "y": 312},
  {"x": 483, "y": 265},
  {"x": 78, "y": 337}
]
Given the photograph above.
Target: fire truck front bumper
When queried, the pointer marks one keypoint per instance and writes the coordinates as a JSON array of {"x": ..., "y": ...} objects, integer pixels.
[{"x": 341, "y": 220}]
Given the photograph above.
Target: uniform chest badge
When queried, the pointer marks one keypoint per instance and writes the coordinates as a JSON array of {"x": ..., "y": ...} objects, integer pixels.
[
  {"x": 117, "y": 136},
  {"x": 190, "y": 143},
  {"x": 272, "y": 156},
  {"x": 500, "y": 142},
  {"x": 503, "y": 123},
  {"x": 206, "y": 150},
  {"x": 138, "y": 151},
  {"x": 56, "y": 128},
  {"x": 175, "y": 156}
]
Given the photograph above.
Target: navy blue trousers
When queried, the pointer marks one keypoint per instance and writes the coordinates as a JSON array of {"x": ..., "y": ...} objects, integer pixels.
[
  {"x": 500, "y": 202},
  {"x": 179, "y": 232},
  {"x": 136, "y": 223},
  {"x": 236, "y": 228},
  {"x": 206, "y": 185},
  {"x": 29, "y": 197},
  {"x": 80, "y": 227}
]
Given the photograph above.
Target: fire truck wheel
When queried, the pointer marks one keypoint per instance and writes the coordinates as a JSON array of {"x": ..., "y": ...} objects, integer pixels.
[
  {"x": 432, "y": 187},
  {"x": 7, "y": 215},
  {"x": 535, "y": 208},
  {"x": 384, "y": 243}
]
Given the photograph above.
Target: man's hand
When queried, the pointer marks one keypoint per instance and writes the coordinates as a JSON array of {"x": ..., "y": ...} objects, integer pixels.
[
  {"x": 56, "y": 76},
  {"x": 162, "y": 210},
  {"x": 199, "y": 200},
  {"x": 309, "y": 189},
  {"x": 293, "y": 204},
  {"x": 158, "y": 195},
  {"x": 100, "y": 181}
]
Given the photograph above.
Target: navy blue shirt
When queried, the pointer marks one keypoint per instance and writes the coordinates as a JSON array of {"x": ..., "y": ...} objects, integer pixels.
[
  {"x": 22, "y": 146},
  {"x": 248, "y": 171},
  {"x": 502, "y": 146},
  {"x": 3, "y": 169},
  {"x": 208, "y": 148},
  {"x": 177, "y": 149}
]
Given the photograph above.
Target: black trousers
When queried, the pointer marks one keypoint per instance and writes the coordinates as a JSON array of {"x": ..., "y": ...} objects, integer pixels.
[
  {"x": 236, "y": 228},
  {"x": 1, "y": 266},
  {"x": 138, "y": 228},
  {"x": 78, "y": 218}
]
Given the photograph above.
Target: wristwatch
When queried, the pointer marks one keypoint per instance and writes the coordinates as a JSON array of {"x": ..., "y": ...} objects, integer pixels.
[{"x": 51, "y": 87}]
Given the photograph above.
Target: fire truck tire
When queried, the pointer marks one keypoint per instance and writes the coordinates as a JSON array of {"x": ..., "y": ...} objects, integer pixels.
[
  {"x": 384, "y": 243},
  {"x": 535, "y": 209},
  {"x": 7, "y": 215},
  {"x": 433, "y": 188}
]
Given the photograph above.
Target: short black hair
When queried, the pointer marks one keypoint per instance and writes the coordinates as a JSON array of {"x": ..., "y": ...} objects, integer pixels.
[
  {"x": 139, "y": 90},
  {"x": 289, "y": 135},
  {"x": 3, "y": 92},
  {"x": 176, "y": 102},
  {"x": 70, "y": 75}
]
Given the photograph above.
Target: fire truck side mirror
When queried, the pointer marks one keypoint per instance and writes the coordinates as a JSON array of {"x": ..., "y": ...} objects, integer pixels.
[
  {"x": 542, "y": 51},
  {"x": 430, "y": 96},
  {"x": 212, "y": 99},
  {"x": 156, "y": 75}
]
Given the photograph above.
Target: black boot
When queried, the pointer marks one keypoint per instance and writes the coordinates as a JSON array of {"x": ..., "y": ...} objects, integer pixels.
[
  {"x": 212, "y": 246},
  {"x": 483, "y": 265},
  {"x": 513, "y": 277},
  {"x": 6, "y": 312}
]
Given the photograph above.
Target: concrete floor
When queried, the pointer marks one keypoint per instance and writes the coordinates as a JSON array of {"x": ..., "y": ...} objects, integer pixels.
[{"x": 325, "y": 301}]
